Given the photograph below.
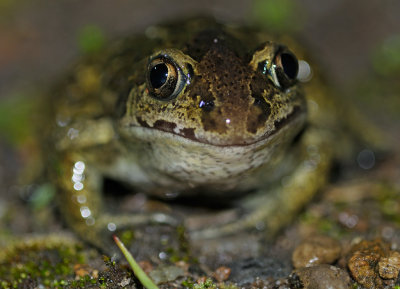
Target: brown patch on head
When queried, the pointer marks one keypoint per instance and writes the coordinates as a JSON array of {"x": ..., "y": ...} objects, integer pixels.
[
  {"x": 258, "y": 115},
  {"x": 261, "y": 109},
  {"x": 226, "y": 96}
]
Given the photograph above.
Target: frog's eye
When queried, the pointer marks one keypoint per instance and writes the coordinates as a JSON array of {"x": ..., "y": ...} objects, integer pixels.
[
  {"x": 164, "y": 78},
  {"x": 284, "y": 69}
]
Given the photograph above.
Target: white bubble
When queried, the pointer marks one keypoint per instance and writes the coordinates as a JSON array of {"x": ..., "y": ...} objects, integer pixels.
[
  {"x": 85, "y": 212},
  {"x": 80, "y": 166},
  {"x": 111, "y": 227},
  {"x": 78, "y": 186},
  {"x": 162, "y": 255}
]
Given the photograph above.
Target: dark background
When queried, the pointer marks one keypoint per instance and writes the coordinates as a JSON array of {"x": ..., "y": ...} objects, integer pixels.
[{"x": 39, "y": 38}]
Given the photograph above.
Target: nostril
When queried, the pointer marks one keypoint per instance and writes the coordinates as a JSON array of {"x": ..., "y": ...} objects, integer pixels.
[{"x": 206, "y": 105}]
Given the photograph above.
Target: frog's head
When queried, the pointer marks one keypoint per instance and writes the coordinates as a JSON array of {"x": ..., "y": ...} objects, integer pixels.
[{"x": 214, "y": 92}]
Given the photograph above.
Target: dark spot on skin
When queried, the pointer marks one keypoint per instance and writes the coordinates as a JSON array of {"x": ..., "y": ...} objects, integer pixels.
[
  {"x": 142, "y": 122},
  {"x": 259, "y": 101},
  {"x": 190, "y": 69},
  {"x": 188, "y": 133},
  {"x": 259, "y": 113},
  {"x": 164, "y": 125},
  {"x": 282, "y": 122}
]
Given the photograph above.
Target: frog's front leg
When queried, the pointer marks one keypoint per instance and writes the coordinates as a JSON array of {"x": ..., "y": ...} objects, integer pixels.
[
  {"x": 271, "y": 210},
  {"x": 82, "y": 206},
  {"x": 79, "y": 173}
]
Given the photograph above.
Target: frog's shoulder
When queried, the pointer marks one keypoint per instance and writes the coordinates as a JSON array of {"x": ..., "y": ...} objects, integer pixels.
[{"x": 92, "y": 86}]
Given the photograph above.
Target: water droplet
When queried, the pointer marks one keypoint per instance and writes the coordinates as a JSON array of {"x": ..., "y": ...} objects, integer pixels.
[
  {"x": 78, "y": 186},
  {"x": 73, "y": 133},
  {"x": 81, "y": 199},
  {"x": 305, "y": 72},
  {"x": 85, "y": 212},
  {"x": 111, "y": 227}
]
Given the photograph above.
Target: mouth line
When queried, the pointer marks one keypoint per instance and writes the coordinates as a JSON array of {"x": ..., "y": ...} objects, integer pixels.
[{"x": 189, "y": 133}]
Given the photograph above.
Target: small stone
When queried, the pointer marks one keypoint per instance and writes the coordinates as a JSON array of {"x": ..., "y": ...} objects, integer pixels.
[
  {"x": 81, "y": 270},
  {"x": 124, "y": 282},
  {"x": 222, "y": 273},
  {"x": 316, "y": 250},
  {"x": 373, "y": 265},
  {"x": 389, "y": 267},
  {"x": 146, "y": 266},
  {"x": 320, "y": 277},
  {"x": 165, "y": 274}
]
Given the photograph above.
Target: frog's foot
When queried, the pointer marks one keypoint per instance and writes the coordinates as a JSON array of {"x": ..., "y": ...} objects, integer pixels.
[{"x": 245, "y": 219}]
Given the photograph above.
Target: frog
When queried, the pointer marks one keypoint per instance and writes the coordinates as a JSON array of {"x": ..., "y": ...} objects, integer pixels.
[{"x": 196, "y": 109}]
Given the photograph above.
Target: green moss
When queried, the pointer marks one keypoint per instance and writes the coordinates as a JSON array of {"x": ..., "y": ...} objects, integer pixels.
[
  {"x": 325, "y": 225},
  {"x": 278, "y": 15},
  {"x": 127, "y": 237},
  {"x": 43, "y": 196},
  {"x": 208, "y": 284},
  {"x": 47, "y": 261},
  {"x": 387, "y": 196},
  {"x": 90, "y": 39},
  {"x": 15, "y": 117},
  {"x": 386, "y": 58}
]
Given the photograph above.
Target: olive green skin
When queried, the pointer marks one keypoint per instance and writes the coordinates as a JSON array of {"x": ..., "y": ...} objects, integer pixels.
[{"x": 231, "y": 129}]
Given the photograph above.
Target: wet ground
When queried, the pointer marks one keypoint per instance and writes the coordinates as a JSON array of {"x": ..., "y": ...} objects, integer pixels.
[{"x": 358, "y": 46}]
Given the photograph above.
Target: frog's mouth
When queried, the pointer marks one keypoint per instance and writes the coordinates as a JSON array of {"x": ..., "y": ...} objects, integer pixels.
[{"x": 295, "y": 120}]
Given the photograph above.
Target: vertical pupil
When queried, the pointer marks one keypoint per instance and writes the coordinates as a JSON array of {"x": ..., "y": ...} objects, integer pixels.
[
  {"x": 159, "y": 75},
  {"x": 290, "y": 65}
]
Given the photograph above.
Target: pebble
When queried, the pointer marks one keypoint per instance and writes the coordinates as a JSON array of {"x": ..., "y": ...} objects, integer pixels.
[
  {"x": 316, "y": 250},
  {"x": 222, "y": 273},
  {"x": 389, "y": 267},
  {"x": 165, "y": 274},
  {"x": 320, "y": 277},
  {"x": 373, "y": 264}
]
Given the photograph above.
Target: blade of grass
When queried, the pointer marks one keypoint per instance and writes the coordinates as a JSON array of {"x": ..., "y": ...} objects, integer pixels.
[{"x": 140, "y": 274}]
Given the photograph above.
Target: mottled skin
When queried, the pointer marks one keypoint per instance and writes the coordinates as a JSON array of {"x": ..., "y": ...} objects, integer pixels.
[{"x": 231, "y": 123}]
